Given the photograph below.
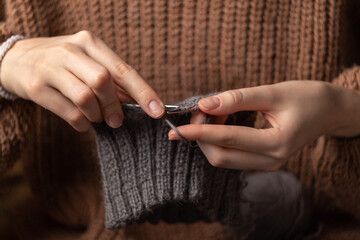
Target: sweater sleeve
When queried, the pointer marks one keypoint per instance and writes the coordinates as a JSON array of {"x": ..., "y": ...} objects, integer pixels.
[
  {"x": 343, "y": 155},
  {"x": 329, "y": 168},
  {"x": 15, "y": 117},
  {"x": 9, "y": 25},
  {"x": 15, "y": 123},
  {"x": 350, "y": 79}
]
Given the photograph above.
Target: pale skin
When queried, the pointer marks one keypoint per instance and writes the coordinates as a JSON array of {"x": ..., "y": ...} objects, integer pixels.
[
  {"x": 78, "y": 77},
  {"x": 298, "y": 111},
  {"x": 82, "y": 80}
]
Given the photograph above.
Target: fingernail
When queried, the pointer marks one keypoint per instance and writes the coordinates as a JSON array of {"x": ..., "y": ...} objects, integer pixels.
[
  {"x": 156, "y": 108},
  {"x": 210, "y": 103},
  {"x": 114, "y": 120},
  {"x": 172, "y": 135}
]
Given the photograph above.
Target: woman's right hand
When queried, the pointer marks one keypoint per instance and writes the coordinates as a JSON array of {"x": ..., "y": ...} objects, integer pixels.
[{"x": 78, "y": 78}]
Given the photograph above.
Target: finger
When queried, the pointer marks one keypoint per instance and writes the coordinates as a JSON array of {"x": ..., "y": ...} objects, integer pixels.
[
  {"x": 123, "y": 96},
  {"x": 198, "y": 117},
  {"x": 123, "y": 74},
  {"x": 99, "y": 80},
  {"x": 259, "y": 98},
  {"x": 236, "y": 159},
  {"x": 77, "y": 92},
  {"x": 212, "y": 119},
  {"x": 64, "y": 108},
  {"x": 243, "y": 138}
]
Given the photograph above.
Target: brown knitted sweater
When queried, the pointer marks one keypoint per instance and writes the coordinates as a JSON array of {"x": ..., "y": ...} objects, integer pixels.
[{"x": 181, "y": 48}]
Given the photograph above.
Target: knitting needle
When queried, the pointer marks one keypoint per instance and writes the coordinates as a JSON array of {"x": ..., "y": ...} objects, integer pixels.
[
  {"x": 177, "y": 110},
  {"x": 169, "y": 108}
]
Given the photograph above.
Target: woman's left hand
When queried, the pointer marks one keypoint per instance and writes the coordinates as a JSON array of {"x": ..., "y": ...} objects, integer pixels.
[{"x": 298, "y": 111}]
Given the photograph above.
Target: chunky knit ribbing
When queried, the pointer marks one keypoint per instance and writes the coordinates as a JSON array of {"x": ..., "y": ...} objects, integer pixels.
[
  {"x": 217, "y": 44},
  {"x": 143, "y": 171},
  {"x": 183, "y": 49},
  {"x": 15, "y": 121}
]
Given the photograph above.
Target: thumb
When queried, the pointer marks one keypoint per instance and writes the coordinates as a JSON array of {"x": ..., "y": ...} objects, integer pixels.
[{"x": 246, "y": 99}]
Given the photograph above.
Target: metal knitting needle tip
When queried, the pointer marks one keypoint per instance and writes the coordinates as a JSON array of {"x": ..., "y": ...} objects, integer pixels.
[
  {"x": 169, "y": 108},
  {"x": 178, "y": 110},
  {"x": 130, "y": 105}
]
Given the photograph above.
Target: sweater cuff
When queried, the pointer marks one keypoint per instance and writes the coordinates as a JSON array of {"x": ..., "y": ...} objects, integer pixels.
[{"x": 4, "y": 48}]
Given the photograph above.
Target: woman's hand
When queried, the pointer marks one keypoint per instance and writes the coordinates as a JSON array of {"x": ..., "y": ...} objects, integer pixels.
[
  {"x": 78, "y": 78},
  {"x": 298, "y": 111}
]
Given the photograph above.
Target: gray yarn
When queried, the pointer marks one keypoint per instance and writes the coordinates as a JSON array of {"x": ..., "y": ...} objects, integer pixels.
[
  {"x": 279, "y": 210},
  {"x": 144, "y": 173}
]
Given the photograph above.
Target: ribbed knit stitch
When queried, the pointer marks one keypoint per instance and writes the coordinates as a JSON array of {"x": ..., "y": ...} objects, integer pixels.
[
  {"x": 184, "y": 49},
  {"x": 233, "y": 43},
  {"x": 143, "y": 171}
]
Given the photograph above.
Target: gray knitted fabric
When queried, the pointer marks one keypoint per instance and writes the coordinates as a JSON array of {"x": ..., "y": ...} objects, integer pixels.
[{"x": 147, "y": 177}]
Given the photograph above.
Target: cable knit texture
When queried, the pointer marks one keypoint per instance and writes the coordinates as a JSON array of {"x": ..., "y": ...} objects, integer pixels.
[{"x": 184, "y": 48}]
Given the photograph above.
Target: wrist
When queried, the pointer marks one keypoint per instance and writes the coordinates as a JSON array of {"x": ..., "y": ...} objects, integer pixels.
[
  {"x": 347, "y": 114},
  {"x": 4, "y": 48}
]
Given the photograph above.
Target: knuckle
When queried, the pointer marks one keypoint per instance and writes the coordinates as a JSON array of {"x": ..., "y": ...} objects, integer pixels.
[
  {"x": 83, "y": 97},
  {"x": 281, "y": 151},
  {"x": 86, "y": 36},
  {"x": 77, "y": 119},
  {"x": 218, "y": 160},
  {"x": 121, "y": 68},
  {"x": 42, "y": 68},
  {"x": 35, "y": 87},
  {"x": 229, "y": 138},
  {"x": 145, "y": 93},
  {"x": 109, "y": 107},
  {"x": 101, "y": 79},
  {"x": 279, "y": 147},
  {"x": 326, "y": 91},
  {"x": 235, "y": 96}
]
